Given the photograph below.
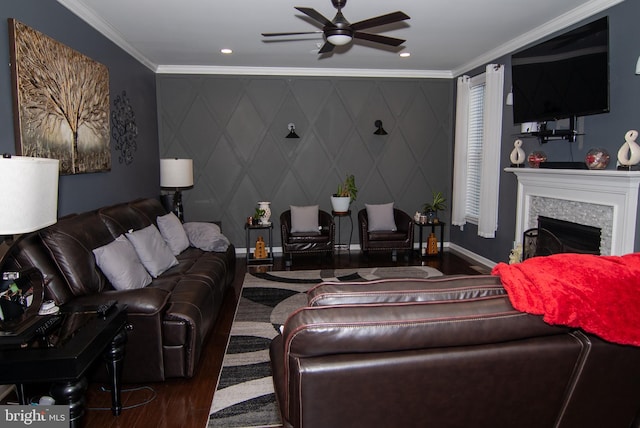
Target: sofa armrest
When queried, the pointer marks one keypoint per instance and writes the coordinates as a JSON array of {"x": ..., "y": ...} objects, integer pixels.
[
  {"x": 405, "y": 290},
  {"x": 147, "y": 301}
]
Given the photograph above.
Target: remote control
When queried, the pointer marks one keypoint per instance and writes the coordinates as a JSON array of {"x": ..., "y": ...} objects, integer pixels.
[
  {"x": 47, "y": 325},
  {"x": 103, "y": 309}
]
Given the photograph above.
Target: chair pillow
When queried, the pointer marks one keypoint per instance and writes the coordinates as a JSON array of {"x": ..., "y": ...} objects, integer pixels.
[
  {"x": 304, "y": 219},
  {"x": 120, "y": 264},
  {"x": 206, "y": 236},
  {"x": 173, "y": 233},
  {"x": 380, "y": 217},
  {"x": 154, "y": 253}
]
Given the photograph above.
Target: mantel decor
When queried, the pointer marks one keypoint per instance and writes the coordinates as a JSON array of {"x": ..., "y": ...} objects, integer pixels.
[{"x": 61, "y": 102}]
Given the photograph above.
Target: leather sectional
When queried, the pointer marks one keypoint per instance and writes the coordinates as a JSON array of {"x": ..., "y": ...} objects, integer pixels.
[
  {"x": 445, "y": 352},
  {"x": 171, "y": 317}
]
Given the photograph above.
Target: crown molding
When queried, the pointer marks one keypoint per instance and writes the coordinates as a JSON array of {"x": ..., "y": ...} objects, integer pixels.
[
  {"x": 559, "y": 23},
  {"x": 292, "y": 71}
]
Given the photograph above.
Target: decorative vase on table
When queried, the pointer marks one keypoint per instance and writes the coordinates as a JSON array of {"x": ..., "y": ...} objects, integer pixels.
[
  {"x": 597, "y": 159},
  {"x": 265, "y": 206}
]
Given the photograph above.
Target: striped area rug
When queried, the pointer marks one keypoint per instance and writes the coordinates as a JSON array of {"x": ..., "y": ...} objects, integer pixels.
[{"x": 244, "y": 396}]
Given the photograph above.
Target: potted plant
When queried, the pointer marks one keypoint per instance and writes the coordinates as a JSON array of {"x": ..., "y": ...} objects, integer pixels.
[
  {"x": 346, "y": 193},
  {"x": 257, "y": 215},
  {"x": 431, "y": 208}
]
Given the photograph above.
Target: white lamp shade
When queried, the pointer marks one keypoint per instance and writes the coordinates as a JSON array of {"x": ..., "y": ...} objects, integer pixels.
[
  {"x": 29, "y": 198},
  {"x": 176, "y": 173},
  {"x": 638, "y": 66}
]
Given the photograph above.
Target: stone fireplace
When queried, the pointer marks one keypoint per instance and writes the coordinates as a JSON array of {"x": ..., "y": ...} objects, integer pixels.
[{"x": 607, "y": 199}]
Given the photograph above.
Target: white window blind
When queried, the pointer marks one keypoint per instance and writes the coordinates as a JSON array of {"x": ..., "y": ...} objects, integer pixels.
[{"x": 474, "y": 149}]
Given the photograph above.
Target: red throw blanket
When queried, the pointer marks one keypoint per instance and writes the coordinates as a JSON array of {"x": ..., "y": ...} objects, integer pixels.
[{"x": 599, "y": 294}]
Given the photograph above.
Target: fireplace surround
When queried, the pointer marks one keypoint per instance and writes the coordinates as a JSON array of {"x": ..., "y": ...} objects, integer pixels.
[{"x": 607, "y": 199}]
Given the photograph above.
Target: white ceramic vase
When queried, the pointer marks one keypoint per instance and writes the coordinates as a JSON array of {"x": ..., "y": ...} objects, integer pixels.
[{"x": 266, "y": 206}]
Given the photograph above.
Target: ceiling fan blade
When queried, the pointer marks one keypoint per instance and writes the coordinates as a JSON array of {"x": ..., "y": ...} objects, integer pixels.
[
  {"x": 290, "y": 34},
  {"x": 377, "y": 38},
  {"x": 389, "y": 18},
  {"x": 314, "y": 14},
  {"x": 327, "y": 47}
]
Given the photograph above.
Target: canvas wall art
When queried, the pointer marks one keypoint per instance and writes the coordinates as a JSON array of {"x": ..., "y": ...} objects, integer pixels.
[{"x": 61, "y": 102}]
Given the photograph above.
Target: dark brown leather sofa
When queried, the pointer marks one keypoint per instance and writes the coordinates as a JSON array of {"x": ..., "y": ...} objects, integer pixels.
[
  {"x": 170, "y": 317},
  {"x": 445, "y": 352}
]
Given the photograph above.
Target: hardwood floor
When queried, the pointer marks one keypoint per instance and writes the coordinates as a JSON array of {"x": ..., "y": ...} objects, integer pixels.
[{"x": 185, "y": 403}]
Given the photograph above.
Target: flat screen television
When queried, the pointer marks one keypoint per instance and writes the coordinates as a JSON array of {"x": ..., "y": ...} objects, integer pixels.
[{"x": 564, "y": 77}]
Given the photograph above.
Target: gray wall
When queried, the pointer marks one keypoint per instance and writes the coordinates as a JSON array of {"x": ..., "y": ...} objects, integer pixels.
[
  {"x": 234, "y": 129},
  {"x": 604, "y": 130},
  {"x": 86, "y": 191}
]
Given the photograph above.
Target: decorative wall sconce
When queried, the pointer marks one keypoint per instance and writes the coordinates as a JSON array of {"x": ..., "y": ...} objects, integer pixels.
[
  {"x": 380, "y": 130},
  {"x": 292, "y": 131},
  {"x": 509, "y": 100}
]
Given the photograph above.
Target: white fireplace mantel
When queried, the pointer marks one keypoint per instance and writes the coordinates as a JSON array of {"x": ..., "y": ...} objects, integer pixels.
[{"x": 612, "y": 188}]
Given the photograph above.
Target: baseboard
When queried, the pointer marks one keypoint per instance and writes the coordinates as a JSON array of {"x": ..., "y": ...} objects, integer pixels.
[{"x": 489, "y": 264}]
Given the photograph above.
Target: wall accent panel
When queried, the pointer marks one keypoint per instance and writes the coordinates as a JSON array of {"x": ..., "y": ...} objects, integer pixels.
[{"x": 234, "y": 128}]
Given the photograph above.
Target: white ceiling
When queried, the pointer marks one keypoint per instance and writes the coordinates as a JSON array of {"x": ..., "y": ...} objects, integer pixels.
[{"x": 444, "y": 37}]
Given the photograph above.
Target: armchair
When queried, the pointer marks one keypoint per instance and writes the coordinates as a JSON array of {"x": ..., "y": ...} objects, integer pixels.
[
  {"x": 320, "y": 241},
  {"x": 386, "y": 240}
]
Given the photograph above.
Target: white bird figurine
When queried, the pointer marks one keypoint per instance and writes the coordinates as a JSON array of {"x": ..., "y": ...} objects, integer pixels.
[
  {"x": 517, "y": 154},
  {"x": 629, "y": 153}
]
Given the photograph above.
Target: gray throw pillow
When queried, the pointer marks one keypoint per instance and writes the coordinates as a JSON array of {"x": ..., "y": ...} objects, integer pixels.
[
  {"x": 173, "y": 233},
  {"x": 206, "y": 236},
  {"x": 154, "y": 253},
  {"x": 304, "y": 219},
  {"x": 120, "y": 264},
  {"x": 380, "y": 217}
]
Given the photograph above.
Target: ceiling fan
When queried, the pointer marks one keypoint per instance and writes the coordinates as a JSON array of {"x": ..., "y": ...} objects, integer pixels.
[{"x": 339, "y": 31}]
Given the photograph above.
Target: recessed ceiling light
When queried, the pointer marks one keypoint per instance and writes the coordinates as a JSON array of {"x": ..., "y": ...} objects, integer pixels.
[
  {"x": 226, "y": 51},
  {"x": 405, "y": 54}
]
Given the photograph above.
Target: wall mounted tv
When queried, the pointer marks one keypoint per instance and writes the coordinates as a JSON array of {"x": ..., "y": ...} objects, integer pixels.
[{"x": 564, "y": 77}]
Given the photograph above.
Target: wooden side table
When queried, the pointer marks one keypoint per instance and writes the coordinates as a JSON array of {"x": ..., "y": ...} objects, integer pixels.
[
  {"x": 433, "y": 230},
  {"x": 248, "y": 229},
  {"x": 64, "y": 356}
]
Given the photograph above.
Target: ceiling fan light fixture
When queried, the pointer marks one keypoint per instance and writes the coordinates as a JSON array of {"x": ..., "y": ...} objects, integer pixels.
[{"x": 339, "y": 39}]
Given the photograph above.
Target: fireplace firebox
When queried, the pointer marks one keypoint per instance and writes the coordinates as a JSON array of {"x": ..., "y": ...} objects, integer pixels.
[{"x": 554, "y": 236}]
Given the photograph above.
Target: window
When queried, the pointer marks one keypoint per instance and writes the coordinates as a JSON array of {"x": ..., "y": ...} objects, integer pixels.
[
  {"x": 476, "y": 170},
  {"x": 475, "y": 136}
]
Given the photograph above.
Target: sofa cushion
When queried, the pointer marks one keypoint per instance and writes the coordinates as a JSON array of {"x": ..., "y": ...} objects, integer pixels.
[
  {"x": 173, "y": 233},
  {"x": 120, "y": 264},
  {"x": 152, "y": 250},
  {"x": 121, "y": 218},
  {"x": 206, "y": 236},
  {"x": 304, "y": 219},
  {"x": 380, "y": 217}
]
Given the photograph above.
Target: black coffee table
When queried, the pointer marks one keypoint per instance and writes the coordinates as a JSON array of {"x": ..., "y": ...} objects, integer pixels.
[{"x": 64, "y": 355}]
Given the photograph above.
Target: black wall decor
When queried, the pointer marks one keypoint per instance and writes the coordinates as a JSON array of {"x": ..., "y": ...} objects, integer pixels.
[{"x": 123, "y": 128}]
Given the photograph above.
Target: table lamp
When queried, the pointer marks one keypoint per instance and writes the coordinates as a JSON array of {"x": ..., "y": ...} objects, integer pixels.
[
  {"x": 29, "y": 196},
  {"x": 29, "y": 202},
  {"x": 176, "y": 174}
]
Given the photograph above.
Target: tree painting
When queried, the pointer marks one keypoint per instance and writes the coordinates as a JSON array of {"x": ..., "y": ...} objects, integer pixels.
[{"x": 61, "y": 102}]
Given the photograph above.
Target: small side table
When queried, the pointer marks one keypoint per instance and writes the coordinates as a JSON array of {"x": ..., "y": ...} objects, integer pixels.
[
  {"x": 433, "y": 229},
  {"x": 248, "y": 229},
  {"x": 340, "y": 216}
]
